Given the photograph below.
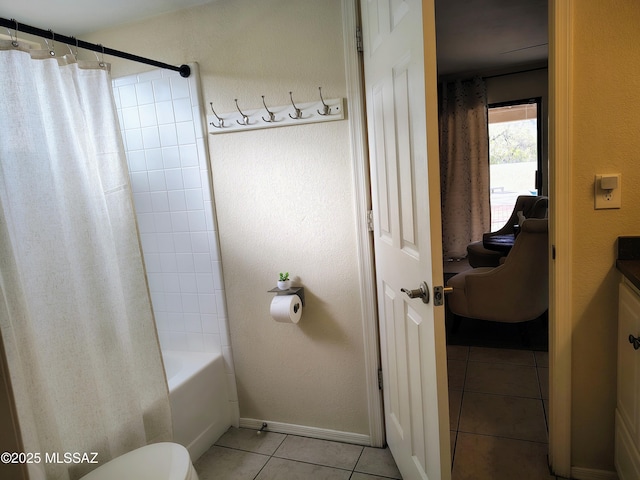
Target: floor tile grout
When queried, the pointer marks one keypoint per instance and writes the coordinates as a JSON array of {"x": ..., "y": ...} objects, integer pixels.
[
  {"x": 359, "y": 457},
  {"x": 242, "y": 450},
  {"x": 461, "y": 448},
  {"x": 466, "y": 354},
  {"x": 503, "y": 437},
  {"x": 274, "y": 455},
  {"x": 503, "y": 394},
  {"x": 493, "y": 362}
]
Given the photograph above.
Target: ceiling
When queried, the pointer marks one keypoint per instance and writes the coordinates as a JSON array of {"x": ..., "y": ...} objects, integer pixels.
[
  {"x": 488, "y": 35},
  {"x": 76, "y": 17},
  {"x": 472, "y": 35}
]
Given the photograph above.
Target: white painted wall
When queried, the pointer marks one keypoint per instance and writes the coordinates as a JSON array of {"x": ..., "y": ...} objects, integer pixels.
[{"x": 284, "y": 199}]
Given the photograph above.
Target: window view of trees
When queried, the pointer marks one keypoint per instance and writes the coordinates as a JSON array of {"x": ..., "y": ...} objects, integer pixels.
[
  {"x": 513, "y": 157},
  {"x": 513, "y": 142}
]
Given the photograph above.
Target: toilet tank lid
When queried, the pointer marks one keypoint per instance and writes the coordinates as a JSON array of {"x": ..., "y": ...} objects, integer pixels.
[{"x": 158, "y": 461}]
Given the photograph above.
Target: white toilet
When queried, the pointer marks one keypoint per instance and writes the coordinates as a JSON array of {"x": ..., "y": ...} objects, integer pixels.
[{"x": 158, "y": 461}]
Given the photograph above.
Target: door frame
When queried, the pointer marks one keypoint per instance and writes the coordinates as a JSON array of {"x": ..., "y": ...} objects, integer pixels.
[
  {"x": 560, "y": 332},
  {"x": 360, "y": 165},
  {"x": 560, "y": 235}
]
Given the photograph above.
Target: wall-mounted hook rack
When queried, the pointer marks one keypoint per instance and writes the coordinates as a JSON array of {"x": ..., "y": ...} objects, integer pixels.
[
  {"x": 272, "y": 116},
  {"x": 212, "y": 123},
  {"x": 297, "y": 112},
  {"x": 326, "y": 109},
  {"x": 281, "y": 116},
  {"x": 245, "y": 118}
]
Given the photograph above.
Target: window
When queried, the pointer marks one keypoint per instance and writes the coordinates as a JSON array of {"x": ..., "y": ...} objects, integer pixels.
[{"x": 514, "y": 155}]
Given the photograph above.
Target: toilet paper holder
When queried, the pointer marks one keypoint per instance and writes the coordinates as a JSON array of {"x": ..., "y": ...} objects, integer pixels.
[{"x": 290, "y": 291}]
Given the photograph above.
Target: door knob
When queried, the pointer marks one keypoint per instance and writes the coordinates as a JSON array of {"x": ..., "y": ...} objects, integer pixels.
[
  {"x": 422, "y": 292},
  {"x": 634, "y": 341}
]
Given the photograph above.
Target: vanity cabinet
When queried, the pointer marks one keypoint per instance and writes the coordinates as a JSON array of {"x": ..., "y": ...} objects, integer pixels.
[{"x": 627, "y": 431}]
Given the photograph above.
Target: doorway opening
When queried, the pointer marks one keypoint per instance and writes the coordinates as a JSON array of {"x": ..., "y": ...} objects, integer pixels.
[{"x": 485, "y": 356}]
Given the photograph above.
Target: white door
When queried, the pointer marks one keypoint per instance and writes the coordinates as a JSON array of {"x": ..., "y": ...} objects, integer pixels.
[{"x": 407, "y": 234}]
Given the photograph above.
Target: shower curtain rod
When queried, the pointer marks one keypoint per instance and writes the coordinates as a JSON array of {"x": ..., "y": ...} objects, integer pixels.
[{"x": 184, "y": 70}]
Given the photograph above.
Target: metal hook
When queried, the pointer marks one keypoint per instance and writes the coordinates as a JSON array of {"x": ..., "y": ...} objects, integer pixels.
[
  {"x": 220, "y": 120},
  {"x": 101, "y": 63},
  {"x": 245, "y": 119},
  {"x": 326, "y": 109},
  {"x": 272, "y": 116},
  {"x": 75, "y": 54},
  {"x": 297, "y": 110},
  {"x": 51, "y": 47},
  {"x": 70, "y": 51},
  {"x": 14, "y": 41}
]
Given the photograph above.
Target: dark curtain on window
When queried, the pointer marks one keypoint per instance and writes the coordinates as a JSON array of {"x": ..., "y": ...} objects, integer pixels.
[{"x": 464, "y": 165}]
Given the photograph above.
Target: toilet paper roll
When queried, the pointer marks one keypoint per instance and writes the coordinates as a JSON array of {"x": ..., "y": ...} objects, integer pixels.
[{"x": 286, "y": 308}]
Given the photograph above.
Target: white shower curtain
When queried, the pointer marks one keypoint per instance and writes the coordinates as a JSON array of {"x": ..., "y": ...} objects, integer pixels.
[{"x": 75, "y": 314}]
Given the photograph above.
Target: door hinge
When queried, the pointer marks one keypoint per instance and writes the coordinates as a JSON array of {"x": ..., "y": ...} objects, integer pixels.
[
  {"x": 359, "y": 44},
  {"x": 370, "y": 220},
  {"x": 380, "y": 379}
]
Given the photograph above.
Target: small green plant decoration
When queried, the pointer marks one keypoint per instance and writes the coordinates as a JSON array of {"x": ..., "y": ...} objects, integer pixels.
[
  {"x": 284, "y": 283},
  {"x": 284, "y": 276}
]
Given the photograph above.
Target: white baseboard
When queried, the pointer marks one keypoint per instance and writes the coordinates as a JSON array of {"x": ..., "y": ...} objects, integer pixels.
[
  {"x": 304, "y": 431},
  {"x": 579, "y": 473},
  {"x": 206, "y": 439}
]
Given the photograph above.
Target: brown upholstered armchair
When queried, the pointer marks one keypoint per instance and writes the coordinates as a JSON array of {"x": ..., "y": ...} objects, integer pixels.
[
  {"x": 517, "y": 290},
  {"x": 527, "y": 206}
]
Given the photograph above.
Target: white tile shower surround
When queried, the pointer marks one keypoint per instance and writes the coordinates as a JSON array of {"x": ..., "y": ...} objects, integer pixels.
[
  {"x": 498, "y": 403},
  {"x": 165, "y": 142}
]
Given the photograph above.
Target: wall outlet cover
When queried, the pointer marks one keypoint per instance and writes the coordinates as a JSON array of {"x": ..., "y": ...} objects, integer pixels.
[{"x": 607, "y": 198}]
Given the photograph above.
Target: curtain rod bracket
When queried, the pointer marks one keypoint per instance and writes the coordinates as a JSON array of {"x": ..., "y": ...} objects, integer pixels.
[{"x": 185, "y": 71}]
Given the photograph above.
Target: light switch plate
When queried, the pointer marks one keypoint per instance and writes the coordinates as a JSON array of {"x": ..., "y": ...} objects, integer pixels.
[{"x": 607, "y": 198}]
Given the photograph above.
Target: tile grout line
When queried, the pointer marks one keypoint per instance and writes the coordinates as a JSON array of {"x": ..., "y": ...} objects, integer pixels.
[
  {"x": 503, "y": 437},
  {"x": 356, "y": 464},
  {"x": 270, "y": 457},
  {"x": 464, "y": 381},
  {"x": 273, "y": 455},
  {"x": 504, "y": 395},
  {"x": 351, "y": 471},
  {"x": 464, "y": 391},
  {"x": 544, "y": 408},
  {"x": 512, "y": 364}
]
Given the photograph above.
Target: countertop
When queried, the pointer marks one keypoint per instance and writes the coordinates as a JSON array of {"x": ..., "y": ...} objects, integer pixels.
[{"x": 628, "y": 261}]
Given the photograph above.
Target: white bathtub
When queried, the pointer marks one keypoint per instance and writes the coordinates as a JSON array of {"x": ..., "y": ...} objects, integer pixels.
[{"x": 198, "y": 394}]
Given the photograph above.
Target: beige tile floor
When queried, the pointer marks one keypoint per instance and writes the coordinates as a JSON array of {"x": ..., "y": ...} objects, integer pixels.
[
  {"x": 498, "y": 400},
  {"x": 242, "y": 454}
]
